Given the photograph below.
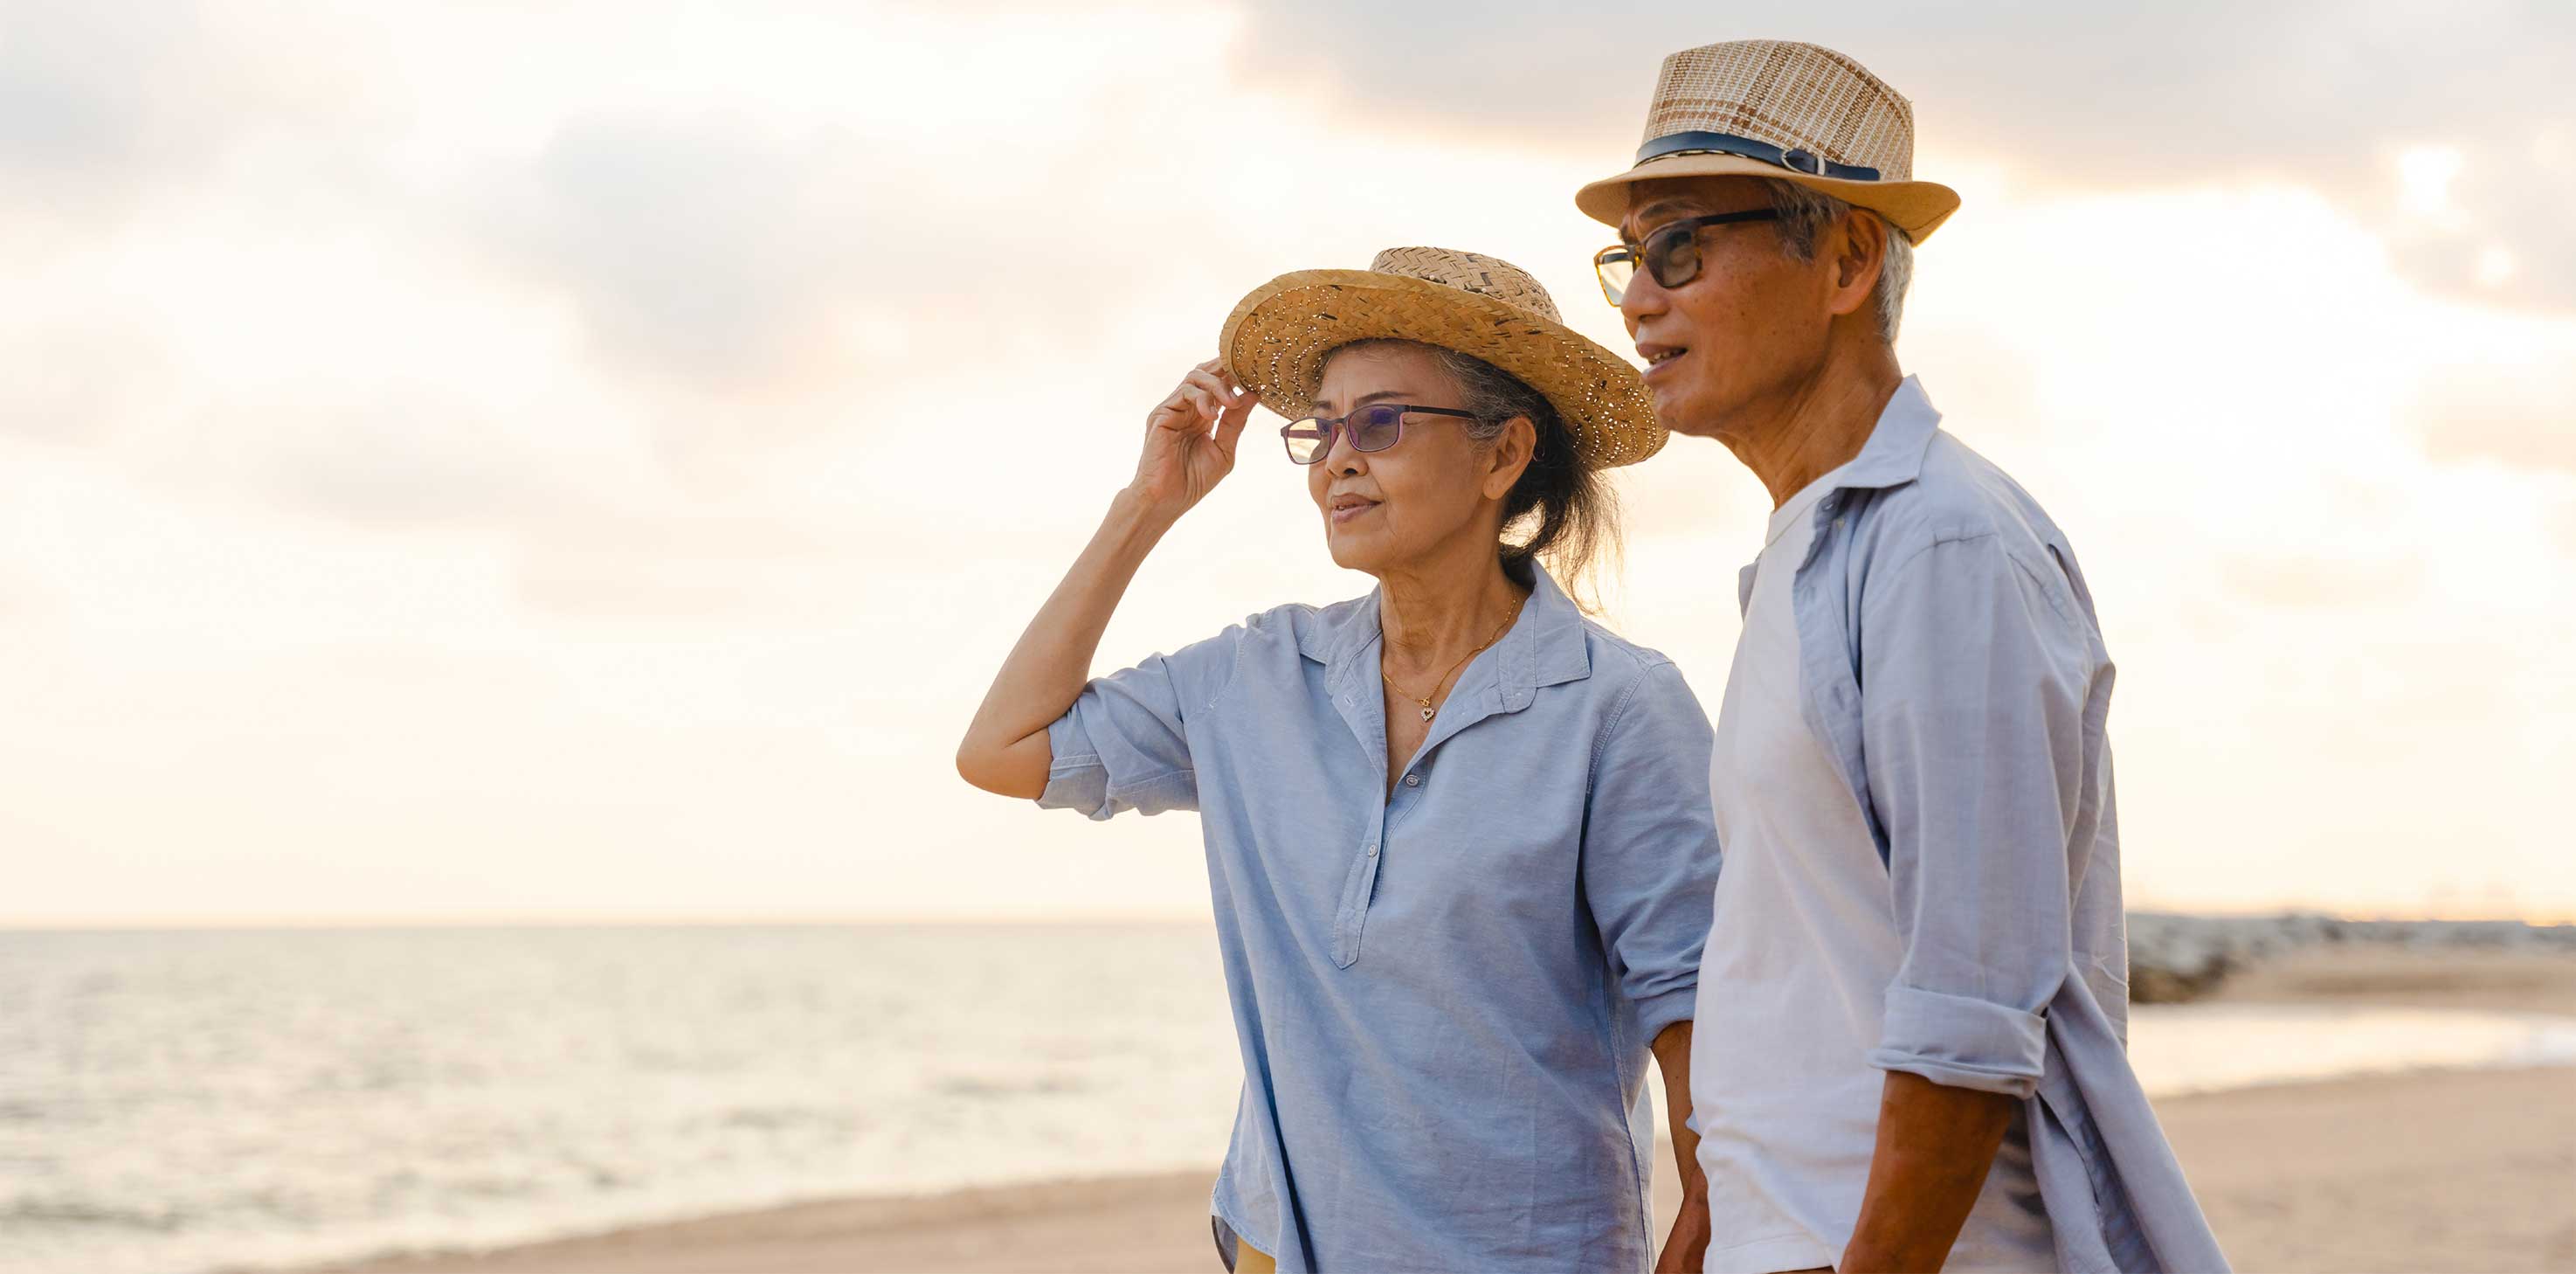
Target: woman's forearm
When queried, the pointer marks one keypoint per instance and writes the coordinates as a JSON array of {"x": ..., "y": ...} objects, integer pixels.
[
  {"x": 1687, "y": 1246},
  {"x": 1190, "y": 439},
  {"x": 1005, "y": 749}
]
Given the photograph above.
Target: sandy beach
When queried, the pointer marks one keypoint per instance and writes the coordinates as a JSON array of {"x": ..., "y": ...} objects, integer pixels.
[{"x": 2453, "y": 1171}]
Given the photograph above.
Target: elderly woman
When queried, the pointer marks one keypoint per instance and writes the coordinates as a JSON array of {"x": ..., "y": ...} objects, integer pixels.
[{"x": 1458, "y": 835}]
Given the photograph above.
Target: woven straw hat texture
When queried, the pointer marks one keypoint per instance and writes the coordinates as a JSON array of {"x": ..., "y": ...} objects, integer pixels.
[
  {"x": 1276, "y": 340},
  {"x": 1794, "y": 96}
]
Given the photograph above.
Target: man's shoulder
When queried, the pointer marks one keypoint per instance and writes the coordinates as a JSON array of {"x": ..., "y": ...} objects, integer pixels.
[
  {"x": 1958, "y": 495},
  {"x": 1962, "y": 497}
]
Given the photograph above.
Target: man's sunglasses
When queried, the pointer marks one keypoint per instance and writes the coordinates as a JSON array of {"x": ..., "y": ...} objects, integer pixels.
[
  {"x": 1375, "y": 427},
  {"x": 1671, "y": 253}
]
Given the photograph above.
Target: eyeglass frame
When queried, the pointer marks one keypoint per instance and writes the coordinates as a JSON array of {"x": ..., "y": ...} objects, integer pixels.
[
  {"x": 1340, "y": 424},
  {"x": 1687, "y": 229}
]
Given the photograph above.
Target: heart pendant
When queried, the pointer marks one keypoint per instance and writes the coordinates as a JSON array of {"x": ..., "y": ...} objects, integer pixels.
[{"x": 1426, "y": 713}]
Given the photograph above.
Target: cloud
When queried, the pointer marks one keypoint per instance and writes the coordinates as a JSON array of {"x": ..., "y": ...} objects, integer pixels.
[
  {"x": 593, "y": 394},
  {"x": 73, "y": 378},
  {"x": 2506, "y": 397},
  {"x": 707, "y": 251},
  {"x": 102, "y": 103},
  {"x": 95, "y": 98},
  {"x": 379, "y": 463},
  {"x": 2309, "y": 581},
  {"x": 2318, "y": 92},
  {"x": 677, "y": 564}
]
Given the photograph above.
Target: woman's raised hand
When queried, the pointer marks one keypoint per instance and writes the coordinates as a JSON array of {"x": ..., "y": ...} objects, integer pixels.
[{"x": 1184, "y": 458}]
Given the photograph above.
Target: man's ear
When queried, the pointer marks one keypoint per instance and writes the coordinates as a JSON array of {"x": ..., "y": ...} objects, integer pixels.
[
  {"x": 1860, "y": 256},
  {"x": 1510, "y": 456}
]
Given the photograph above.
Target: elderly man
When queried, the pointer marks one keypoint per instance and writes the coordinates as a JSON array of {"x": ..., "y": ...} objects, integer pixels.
[{"x": 1913, "y": 1003}]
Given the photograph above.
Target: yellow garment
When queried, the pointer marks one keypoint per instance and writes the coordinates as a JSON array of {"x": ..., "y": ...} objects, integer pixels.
[{"x": 1252, "y": 1260}]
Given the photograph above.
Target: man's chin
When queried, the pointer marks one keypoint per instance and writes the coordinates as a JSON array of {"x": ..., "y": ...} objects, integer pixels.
[{"x": 1682, "y": 411}]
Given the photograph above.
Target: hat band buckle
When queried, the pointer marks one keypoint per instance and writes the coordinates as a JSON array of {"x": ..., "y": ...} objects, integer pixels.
[{"x": 1798, "y": 160}]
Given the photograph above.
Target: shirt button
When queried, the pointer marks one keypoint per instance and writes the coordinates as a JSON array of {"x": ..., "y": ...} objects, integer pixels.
[
  {"x": 1372, "y": 849},
  {"x": 1413, "y": 780}
]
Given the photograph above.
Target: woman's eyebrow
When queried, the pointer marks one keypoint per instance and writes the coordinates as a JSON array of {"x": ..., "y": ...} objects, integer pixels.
[{"x": 1364, "y": 399}]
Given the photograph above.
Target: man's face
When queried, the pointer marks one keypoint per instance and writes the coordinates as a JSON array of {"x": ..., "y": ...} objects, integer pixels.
[{"x": 1751, "y": 325}]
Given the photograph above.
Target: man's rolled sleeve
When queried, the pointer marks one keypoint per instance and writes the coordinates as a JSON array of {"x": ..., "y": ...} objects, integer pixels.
[
  {"x": 1124, "y": 744},
  {"x": 1974, "y": 676},
  {"x": 1650, "y": 856}
]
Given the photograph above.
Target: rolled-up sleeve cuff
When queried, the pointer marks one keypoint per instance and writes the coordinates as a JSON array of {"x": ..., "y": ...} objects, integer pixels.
[
  {"x": 1663, "y": 1008},
  {"x": 1958, "y": 1042},
  {"x": 1076, "y": 780}
]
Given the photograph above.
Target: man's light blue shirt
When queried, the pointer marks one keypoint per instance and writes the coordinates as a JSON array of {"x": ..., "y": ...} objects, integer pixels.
[
  {"x": 1444, "y": 996},
  {"x": 1951, "y": 663}
]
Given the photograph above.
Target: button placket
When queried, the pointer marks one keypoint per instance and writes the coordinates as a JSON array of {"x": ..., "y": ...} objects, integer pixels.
[{"x": 1352, "y": 919}]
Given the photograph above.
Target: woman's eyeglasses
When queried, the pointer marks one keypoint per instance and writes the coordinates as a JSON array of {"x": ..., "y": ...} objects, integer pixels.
[
  {"x": 1375, "y": 427},
  {"x": 1671, "y": 253}
]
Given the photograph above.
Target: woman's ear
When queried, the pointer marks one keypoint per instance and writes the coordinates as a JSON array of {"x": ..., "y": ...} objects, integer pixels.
[{"x": 1509, "y": 456}]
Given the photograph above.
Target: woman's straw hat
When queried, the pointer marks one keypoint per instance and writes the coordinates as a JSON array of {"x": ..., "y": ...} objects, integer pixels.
[
  {"x": 1277, "y": 337},
  {"x": 1772, "y": 108}
]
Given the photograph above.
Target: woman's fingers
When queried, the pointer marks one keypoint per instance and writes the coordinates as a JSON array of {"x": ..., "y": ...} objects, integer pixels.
[
  {"x": 1207, "y": 393},
  {"x": 1220, "y": 384},
  {"x": 1215, "y": 376},
  {"x": 1229, "y": 426},
  {"x": 1189, "y": 409}
]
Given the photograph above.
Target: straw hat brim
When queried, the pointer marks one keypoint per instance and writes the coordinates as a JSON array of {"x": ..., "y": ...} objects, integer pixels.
[
  {"x": 1276, "y": 339},
  {"x": 1915, "y": 207}
]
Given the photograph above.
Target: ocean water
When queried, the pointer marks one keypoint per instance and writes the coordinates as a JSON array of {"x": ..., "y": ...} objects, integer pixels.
[{"x": 188, "y": 1101}]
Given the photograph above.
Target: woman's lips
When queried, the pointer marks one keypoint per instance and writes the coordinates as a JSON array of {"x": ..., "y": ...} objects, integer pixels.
[
  {"x": 1344, "y": 513},
  {"x": 1664, "y": 367}
]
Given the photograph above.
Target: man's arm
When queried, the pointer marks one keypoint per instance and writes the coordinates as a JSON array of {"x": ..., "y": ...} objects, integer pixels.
[
  {"x": 1935, "y": 1145},
  {"x": 1981, "y": 718},
  {"x": 1687, "y": 1245}
]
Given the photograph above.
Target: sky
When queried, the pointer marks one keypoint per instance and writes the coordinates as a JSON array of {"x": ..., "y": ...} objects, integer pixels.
[{"x": 504, "y": 462}]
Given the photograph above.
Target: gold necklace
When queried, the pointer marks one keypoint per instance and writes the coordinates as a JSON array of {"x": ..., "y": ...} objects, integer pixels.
[{"x": 1424, "y": 702}]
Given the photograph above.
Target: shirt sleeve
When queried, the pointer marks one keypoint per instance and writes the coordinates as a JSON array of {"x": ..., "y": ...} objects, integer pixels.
[
  {"x": 1976, "y": 675},
  {"x": 1125, "y": 743},
  {"x": 1650, "y": 846}
]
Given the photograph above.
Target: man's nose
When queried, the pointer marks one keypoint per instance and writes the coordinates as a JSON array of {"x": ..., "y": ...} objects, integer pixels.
[{"x": 1642, "y": 298}]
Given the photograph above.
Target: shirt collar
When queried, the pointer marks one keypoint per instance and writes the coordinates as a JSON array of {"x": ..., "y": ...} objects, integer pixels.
[
  {"x": 1544, "y": 647},
  {"x": 1893, "y": 456}
]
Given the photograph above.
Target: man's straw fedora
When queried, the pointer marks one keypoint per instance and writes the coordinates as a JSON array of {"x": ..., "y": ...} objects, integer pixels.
[
  {"x": 1276, "y": 339},
  {"x": 1773, "y": 108}
]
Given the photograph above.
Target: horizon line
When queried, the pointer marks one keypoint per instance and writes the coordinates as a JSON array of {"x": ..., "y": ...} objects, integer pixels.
[{"x": 666, "y": 920}]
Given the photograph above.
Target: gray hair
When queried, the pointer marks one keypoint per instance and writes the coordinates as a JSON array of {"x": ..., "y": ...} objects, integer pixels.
[{"x": 1805, "y": 210}]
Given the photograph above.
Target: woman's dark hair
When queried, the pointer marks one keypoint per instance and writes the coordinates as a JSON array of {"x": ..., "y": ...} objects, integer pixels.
[{"x": 1562, "y": 511}]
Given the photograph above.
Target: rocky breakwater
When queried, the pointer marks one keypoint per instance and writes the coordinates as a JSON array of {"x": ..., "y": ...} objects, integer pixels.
[{"x": 2173, "y": 958}]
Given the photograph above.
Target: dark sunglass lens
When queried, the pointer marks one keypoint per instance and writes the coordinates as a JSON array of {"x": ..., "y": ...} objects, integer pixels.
[
  {"x": 1375, "y": 428},
  {"x": 1674, "y": 257},
  {"x": 1307, "y": 440}
]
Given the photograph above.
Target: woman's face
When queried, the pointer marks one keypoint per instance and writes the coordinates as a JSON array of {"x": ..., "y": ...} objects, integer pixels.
[{"x": 1436, "y": 487}]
